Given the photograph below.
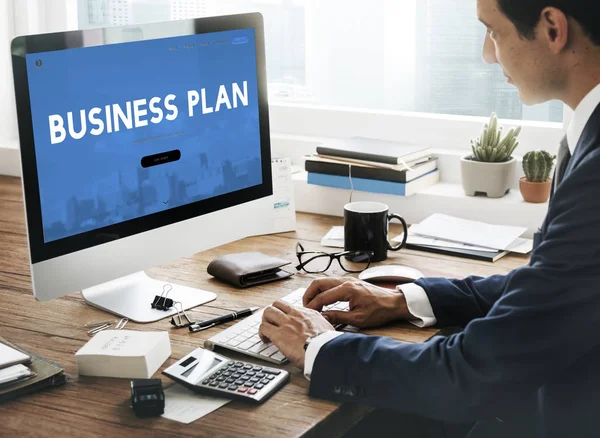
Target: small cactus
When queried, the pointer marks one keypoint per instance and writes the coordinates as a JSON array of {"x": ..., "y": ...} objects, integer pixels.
[
  {"x": 490, "y": 147},
  {"x": 538, "y": 165}
]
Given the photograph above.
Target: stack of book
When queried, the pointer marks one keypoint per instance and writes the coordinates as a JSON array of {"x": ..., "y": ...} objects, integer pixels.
[{"x": 374, "y": 166}]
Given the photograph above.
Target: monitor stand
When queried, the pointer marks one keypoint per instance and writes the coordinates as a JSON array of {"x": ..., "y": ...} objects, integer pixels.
[{"x": 131, "y": 297}]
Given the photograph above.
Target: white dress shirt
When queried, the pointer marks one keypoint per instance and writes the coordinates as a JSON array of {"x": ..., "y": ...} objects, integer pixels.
[{"x": 416, "y": 298}]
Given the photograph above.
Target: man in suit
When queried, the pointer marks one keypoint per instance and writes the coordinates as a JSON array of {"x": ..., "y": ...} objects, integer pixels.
[{"x": 528, "y": 360}]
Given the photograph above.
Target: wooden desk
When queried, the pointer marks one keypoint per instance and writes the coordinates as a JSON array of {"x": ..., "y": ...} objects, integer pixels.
[{"x": 100, "y": 407}]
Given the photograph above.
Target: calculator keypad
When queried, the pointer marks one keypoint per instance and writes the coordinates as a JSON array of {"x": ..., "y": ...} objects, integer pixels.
[{"x": 242, "y": 378}]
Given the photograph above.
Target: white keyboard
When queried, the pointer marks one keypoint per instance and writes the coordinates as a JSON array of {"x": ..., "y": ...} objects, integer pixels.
[{"x": 243, "y": 336}]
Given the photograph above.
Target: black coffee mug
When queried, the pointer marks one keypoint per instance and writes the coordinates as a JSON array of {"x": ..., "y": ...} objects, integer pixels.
[{"x": 366, "y": 226}]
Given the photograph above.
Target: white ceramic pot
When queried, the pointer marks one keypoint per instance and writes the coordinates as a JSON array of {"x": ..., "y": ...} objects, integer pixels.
[{"x": 490, "y": 179}]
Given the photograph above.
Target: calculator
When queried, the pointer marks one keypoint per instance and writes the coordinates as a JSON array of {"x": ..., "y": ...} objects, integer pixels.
[{"x": 206, "y": 372}]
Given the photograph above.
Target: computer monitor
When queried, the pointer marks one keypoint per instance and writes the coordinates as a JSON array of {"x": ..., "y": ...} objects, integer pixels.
[{"x": 140, "y": 145}]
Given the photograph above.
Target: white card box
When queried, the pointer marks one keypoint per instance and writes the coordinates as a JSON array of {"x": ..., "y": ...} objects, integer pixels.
[{"x": 124, "y": 354}]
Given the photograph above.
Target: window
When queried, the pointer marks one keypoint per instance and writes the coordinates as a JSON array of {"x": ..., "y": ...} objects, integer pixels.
[
  {"x": 8, "y": 132},
  {"x": 400, "y": 55}
]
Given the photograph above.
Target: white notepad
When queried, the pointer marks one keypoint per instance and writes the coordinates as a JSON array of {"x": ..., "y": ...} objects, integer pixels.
[{"x": 9, "y": 356}]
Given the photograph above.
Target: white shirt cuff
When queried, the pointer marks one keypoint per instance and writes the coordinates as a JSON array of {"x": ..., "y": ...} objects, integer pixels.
[
  {"x": 313, "y": 350},
  {"x": 418, "y": 305}
]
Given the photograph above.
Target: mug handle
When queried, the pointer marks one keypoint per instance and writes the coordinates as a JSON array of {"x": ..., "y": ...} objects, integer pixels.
[{"x": 405, "y": 236}]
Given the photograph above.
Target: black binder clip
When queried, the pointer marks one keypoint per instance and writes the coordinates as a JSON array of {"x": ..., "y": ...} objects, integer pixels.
[
  {"x": 162, "y": 302},
  {"x": 178, "y": 320}
]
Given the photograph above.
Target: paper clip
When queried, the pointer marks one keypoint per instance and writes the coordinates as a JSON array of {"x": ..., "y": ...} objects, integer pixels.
[
  {"x": 121, "y": 324},
  {"x": 100, "y": 328},
  {"x": 178, "y": 321},
  {"x": 161, "y": 302},
  {"x": 97, "y": 324}
]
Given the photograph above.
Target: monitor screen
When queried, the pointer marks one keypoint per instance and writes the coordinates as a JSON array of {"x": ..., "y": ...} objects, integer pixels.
[{"x": 124, "y": 131}]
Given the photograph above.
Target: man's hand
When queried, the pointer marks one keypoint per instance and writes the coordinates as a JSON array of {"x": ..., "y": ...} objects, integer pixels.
[
  {"x": 370, "y": 306},
  {"x": 289, "y": 327}
]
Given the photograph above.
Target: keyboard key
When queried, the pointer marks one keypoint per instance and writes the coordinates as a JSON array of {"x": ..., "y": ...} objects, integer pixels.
[
  {"x": 260, "y": 375},
  {"x": 259, "y": 386},
  {"x": 255, "y": 339},
  {"x": 278, "y": 356},
  {"x": 252, "y": 391},
  {"x": 220, "y": 378},
  {"x": 269, "y": 351},
  {"x": 213, "y": 384},
  {"x": 240, "y": 338},
  {"x": 259, "y": 347},
  {"x": 265, "y": 382},
  {"x": 239, "y": 382},
  {"x": 256, "y": 368},
  {"x": 246, "y": 345},
  {"x": 271, "y": 371},
  {"x": 234, "y": 343},
  {"x": 244, "y": 378},
  {"x": 247, "y": 367},
  {"x": 223, "y": 385},
  {"x": 230, "y": 380},
  {"x": 254, "y": 379},
  {"x": 239, "y": 364},
  {"x": 232, "y": 388},
  {"x": 206, "y": 382},
  {"x": 250, "y": 373},
  {"x": 243, "y": 389}
]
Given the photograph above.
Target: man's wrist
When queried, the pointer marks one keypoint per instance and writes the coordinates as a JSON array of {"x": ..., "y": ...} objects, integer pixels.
[{"x": 401, "y": 306}]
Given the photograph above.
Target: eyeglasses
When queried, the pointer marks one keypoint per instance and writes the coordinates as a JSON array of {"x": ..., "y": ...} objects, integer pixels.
[{"x": 317, "y": 262}]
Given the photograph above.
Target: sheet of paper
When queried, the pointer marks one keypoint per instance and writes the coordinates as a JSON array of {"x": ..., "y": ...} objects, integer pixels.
[
  {"x": 334, "y": 238},
  {"x": 283, "y": 216},
  {"x": 10, "y": 356},
  {"x": 521, "y": 246},
  {"x": 15, "y": 372},
  {"x": 185, "y": 406},
  {"x": 441, "y": 226}
]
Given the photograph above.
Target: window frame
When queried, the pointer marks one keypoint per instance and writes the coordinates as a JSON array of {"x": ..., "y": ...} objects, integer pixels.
[{"x": 439, "y": 131}]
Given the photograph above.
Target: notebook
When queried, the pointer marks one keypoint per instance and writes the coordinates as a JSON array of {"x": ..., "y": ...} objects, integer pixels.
[
  {"x": 486, "y": 256},
  {"x": 45, "y": 374}
]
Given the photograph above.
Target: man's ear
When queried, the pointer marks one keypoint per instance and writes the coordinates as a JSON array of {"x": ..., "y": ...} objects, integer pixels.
[{"x": 554, "y": 27}]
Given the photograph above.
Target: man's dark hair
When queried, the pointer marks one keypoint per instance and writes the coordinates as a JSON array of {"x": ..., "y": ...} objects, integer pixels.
[{"x": 525, "y": 14}]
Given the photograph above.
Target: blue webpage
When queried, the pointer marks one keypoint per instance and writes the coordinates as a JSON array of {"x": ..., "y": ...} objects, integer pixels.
[{"x": 127, "y": 130}]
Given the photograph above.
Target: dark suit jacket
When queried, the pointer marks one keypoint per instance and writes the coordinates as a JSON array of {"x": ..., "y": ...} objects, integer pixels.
[{"x": 528, "y": 359}]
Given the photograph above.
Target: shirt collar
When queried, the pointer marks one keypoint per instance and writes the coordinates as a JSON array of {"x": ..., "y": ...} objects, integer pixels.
[{"x": 582, "y": 116}]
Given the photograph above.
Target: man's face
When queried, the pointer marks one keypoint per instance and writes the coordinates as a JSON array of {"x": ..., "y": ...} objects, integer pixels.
[{"x": 528, "y": 64}]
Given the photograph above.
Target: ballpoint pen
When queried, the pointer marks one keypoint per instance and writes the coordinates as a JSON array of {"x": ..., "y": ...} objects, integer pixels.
[{"x": 203, "y": 325}]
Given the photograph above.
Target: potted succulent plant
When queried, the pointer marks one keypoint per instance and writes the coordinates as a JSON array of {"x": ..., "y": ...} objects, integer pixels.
[
  {"x": 536, "y": 184},
  {"x": 490, "y": 169}
]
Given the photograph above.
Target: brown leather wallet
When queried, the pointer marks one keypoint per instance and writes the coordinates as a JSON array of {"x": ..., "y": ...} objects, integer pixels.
[{"x": 248, "y": 269}]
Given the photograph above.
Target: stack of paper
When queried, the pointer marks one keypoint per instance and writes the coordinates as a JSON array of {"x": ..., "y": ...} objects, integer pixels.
[
  {"x": 124, "y": 354},
  {"x": 11, "y": 365},
  {"x": 447, "y": 234},
  {"x": 16, "y": 372}
]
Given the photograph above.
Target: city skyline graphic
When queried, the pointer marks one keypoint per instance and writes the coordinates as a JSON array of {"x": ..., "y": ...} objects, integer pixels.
[{"x": 403, "y": 55}]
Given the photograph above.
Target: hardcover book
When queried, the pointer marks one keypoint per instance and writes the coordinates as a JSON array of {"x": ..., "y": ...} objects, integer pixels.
[
  {"x": 375, "y": 186},
  {"x": 369, "y": 149},
  {"x": 316, "y": 164}
]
